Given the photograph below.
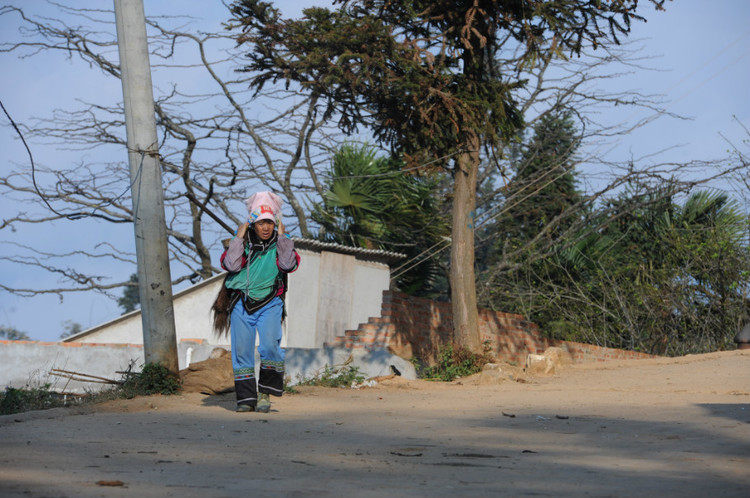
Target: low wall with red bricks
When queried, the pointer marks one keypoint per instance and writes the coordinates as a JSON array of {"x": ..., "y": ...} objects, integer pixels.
[{"x": 417, "y": 327}]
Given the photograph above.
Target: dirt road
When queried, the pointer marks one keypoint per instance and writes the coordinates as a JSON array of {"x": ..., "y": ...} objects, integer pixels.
[{"x": 663, "y": 427}]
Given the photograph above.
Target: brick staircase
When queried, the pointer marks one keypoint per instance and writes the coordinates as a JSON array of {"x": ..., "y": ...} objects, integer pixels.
[{"x": 375, "y": 334}]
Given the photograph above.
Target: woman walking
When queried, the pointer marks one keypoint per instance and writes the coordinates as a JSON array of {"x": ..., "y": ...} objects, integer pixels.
[{"x": 251, "y": 301}]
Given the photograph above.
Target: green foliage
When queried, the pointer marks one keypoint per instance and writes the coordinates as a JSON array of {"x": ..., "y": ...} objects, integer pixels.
[
  {"x": 540, "y": 203},
  {"x": 13, "y": 334},
  {"x": 543, "y": 187},
  {"x": 639, "y": 271},
  {"x": 646, "y": 274},
  {"x": 153, "y": 379},
  {"x": 131, "y": 297},
  {"x": 70, "y": 328},
  {"x": 455, "y": 361},
  {"x": 423, "y": 76},
  {"x": 334, "y": 377},
  {"x": 369, "y": 202},
  {"x": 15, "y": 400}
]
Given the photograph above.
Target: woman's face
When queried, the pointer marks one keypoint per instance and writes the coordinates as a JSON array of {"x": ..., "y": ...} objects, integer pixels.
[{"x": 264, "y": 229}]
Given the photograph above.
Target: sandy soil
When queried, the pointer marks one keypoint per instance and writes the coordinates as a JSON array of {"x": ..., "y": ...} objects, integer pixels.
[{"x": 662, "y": 427}]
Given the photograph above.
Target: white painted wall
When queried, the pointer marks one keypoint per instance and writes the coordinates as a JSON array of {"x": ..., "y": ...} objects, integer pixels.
[
  {"x": 302, "y": 302},
  {"x": 335, "y": 294},
  {"x": 371, "y": 279}
]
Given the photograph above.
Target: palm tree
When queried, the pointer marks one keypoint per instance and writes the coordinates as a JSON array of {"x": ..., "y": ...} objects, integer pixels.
[
  {"x": 665, "y": 278},
  {"x": 371, "y": 202}
]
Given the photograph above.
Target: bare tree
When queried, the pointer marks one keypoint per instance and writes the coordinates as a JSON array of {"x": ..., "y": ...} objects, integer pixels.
[{"x": 216, "y": 145}]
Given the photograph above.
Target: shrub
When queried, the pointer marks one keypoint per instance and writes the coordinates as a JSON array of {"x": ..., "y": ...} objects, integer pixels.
[
  {"x": 153, "y": 379},
  {"x": 455, "y": 361},
  {"x": 15, "y": 400},
  {"x": 341, "y": 377}
]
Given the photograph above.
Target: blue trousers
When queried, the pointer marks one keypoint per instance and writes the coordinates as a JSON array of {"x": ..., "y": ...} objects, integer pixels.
[{"x": 266, "y": 323}]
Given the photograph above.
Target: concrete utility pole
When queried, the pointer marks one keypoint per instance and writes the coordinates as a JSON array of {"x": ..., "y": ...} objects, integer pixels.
[{"x": 154, "y": 278}]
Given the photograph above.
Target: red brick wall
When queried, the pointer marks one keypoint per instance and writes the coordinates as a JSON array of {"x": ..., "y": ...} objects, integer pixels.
[{"x": 413, "y": 326}]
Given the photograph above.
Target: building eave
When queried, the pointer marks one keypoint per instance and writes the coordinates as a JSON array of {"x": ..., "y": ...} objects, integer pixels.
[{"x": 378, "y": 255}]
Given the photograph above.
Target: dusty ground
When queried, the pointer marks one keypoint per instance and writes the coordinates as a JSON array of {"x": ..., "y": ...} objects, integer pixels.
[{"x": 664, "y": 427}]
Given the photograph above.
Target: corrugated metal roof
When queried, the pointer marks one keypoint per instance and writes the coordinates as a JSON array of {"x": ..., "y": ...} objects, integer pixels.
[{"x": 368, "y": 254}]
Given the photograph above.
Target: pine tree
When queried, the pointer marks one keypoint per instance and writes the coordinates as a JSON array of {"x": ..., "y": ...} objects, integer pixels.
[
  {"x": 543, "y": 188},
  {"x": 131, "y": 297}
]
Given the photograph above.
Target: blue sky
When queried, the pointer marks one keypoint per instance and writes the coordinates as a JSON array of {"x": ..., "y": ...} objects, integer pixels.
[
  {"x": 699, "y": 52},
  {"x": 702, "y": 55}
]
